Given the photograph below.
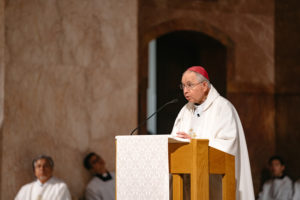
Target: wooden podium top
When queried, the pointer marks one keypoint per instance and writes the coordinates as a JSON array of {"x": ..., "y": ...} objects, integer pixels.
[{"x": 199, "y": 160}]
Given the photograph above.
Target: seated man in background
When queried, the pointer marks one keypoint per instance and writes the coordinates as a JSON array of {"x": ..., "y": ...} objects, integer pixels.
[
  {"x": 102, "y": 185},
  {"x": 297, "y": 190},
  {"x": 280, "y": 186},
  {"x": 46, "y": 187}
]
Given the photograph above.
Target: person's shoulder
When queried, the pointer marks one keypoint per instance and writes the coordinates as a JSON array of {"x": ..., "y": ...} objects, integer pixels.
[
  {"x": 93, "y": 181},
  {"x": 93, "y": 185},
  {"x": 188, "y": 107},
  {"x": 24, "y": 189},
  {"x": 60, "y": 183},
  {"x": 224, "y": 105},
  {"x": 267, "y": 183},
  {"x": 288, "y": 179},
  {"x": 216, "y": 99},
  {"x": 223, "y": 101}
]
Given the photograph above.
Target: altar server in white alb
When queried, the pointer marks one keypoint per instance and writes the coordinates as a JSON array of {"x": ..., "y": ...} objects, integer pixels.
[
  {"x": 46, "y": 187},
  {"x": 280, "y": 186},
  {"x": 102, "y": 185},
  {"x": 207, "y": 115}
]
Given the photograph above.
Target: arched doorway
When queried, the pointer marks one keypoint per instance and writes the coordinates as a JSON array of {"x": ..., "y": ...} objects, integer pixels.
[
  {"x": 179, "y": 44},
  {"x": 175, "y": 52}
]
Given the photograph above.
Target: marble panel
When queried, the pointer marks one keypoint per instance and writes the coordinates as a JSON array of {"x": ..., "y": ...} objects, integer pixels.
[
  {"x": 2, "y": 67},
  {"x": 287, "y": 72},
  {"x": 70, "y": 86},
  {"x": 252, "y": 37},
  {"x": 257, "y": 114},
  {"x": 2, "y": 63},
  {"x": 287, "y": 49},
  {"x": 255, "y": 6},
  {"x": 288, "y": 132}
]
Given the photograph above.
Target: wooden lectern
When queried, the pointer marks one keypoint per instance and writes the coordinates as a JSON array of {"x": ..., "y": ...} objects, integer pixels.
[{"x": 199, "y": 160}]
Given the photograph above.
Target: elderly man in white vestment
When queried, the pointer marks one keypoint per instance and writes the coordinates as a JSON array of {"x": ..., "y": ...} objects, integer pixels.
[
  {"x": 207, "y": 115},
  {"x": 102, "y": 185},
  {"x": 280, "y": 186},
  {"x": 46, "y": 187}
]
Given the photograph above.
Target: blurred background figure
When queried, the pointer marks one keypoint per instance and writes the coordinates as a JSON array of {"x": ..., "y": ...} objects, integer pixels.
[
  {"x": 46, "y": 187},
  {"x": 280, "y": 186},
  {"x": 296, "y": 195},
  {"x": 102, "y": 185}
]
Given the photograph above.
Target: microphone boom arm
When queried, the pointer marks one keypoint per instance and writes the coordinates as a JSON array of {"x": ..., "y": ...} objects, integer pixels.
[{"x": 162, "y": 107}]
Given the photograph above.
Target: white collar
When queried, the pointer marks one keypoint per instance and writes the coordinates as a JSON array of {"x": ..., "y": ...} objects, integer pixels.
[{"x": 42, "y": 184}]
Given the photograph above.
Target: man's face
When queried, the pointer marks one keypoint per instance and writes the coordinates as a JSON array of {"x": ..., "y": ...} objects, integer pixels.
[
  {"x": 197, "y": 93},
  {"x": 43, "y": 170},
  {"x": 98, "y": 164},
  {"x": 276, "y": 168}
]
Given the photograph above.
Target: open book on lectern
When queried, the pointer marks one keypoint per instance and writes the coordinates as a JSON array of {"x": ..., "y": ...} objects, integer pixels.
[{"x": 174, "y": 139}]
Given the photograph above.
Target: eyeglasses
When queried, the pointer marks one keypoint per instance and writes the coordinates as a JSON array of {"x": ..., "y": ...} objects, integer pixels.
[{"x": 188, "y": 86}]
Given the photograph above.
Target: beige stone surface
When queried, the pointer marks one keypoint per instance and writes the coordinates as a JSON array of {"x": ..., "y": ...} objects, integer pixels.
[
  {"x": 70, "y": 85},
  {"x": 249, "y": 24},
  {"x": 2, "y": 46}
]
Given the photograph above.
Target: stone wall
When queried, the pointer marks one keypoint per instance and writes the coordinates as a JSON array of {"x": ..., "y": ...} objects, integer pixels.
[
  {"x": 70, "y": 85},
  {"x": 69, "y": 77},
  {"x": 2, "y": 46},
  {"x": 287, "y": 72}
]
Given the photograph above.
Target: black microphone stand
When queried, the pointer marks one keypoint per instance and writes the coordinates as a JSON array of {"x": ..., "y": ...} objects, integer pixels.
[{"x": 162, "y": 107}]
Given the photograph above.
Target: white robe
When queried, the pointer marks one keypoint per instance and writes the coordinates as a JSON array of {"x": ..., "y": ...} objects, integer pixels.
[
  {"x": 277, "y": 189},
  {"x": 297, "y": 190},
  {"x": 52, "y": 189},
  {"x": 101, "y": 190},
  {"x": 220, "y": 123}
]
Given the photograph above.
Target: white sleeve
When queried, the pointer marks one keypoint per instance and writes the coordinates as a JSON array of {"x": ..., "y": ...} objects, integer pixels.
[
  {"x": 23, "y": 193},
  {"x": 91, "y": 195},
  {"x": 19, "y": 195},
  {"x": 225, "y": 129},
  {"x": 178, "y": 122},
  {"x": 64, "y": 193}
]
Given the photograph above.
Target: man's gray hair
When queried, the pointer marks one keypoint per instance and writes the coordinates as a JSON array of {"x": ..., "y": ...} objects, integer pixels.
[
  {"x": 201, "y": 78},
  {"x": 48, "y": 158}
]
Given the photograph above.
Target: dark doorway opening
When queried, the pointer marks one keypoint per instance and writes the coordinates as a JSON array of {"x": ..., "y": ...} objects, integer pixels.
[{"x": 176, "y": 52}]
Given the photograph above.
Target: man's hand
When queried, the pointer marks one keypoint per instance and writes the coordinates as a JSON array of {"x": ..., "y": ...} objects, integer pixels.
[{"x": 183, "y": 135}]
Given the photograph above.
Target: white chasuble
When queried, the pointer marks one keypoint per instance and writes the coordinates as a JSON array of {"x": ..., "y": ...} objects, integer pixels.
[
  {"x": 277, "y": 189},
  {"x": 98, "y": 189},
  {"x": 52, "y": 189},
  {"x": 218, "y": 121}
]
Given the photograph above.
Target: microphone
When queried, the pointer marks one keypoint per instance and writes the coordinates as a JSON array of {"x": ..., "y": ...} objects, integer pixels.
[{"x": 162, "y": 107}]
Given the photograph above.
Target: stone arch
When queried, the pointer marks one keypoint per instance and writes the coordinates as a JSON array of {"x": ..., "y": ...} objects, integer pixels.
[{"x": 184, "y": 24}]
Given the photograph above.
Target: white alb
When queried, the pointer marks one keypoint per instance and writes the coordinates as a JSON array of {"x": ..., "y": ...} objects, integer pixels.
[{"x": 217, "y": 120}]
